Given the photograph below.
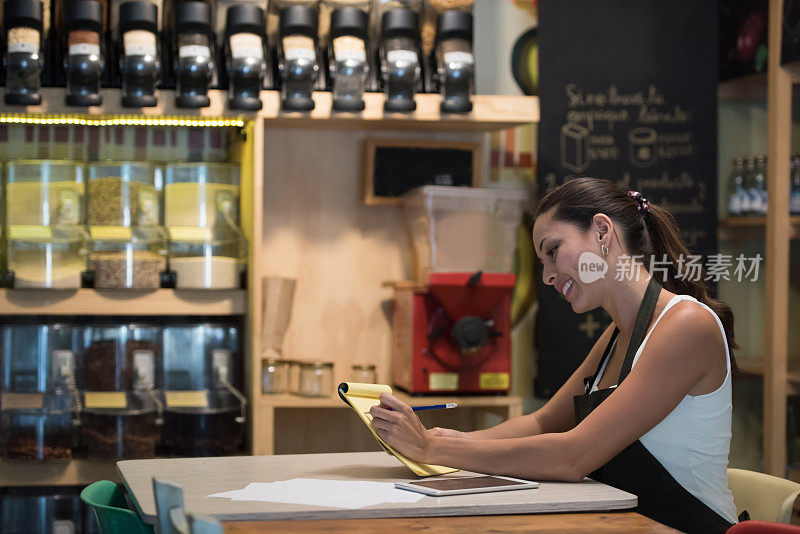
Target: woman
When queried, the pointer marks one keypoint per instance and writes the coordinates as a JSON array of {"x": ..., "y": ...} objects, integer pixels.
[{"x": 664, "y": 434}]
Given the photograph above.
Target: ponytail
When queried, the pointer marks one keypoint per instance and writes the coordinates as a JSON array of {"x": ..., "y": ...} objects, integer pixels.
[{"x": 650, "y": 232}]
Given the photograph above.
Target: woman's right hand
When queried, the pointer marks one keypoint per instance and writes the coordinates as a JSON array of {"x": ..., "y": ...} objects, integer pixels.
[{"x": 447, "y": 433}]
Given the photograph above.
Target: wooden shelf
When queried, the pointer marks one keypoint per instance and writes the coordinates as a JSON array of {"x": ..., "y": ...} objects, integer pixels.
[
  {"x": 109, "y": 302},
  {"x": 754, "y": 367},
  {"x": 68, "y": 473},
  {"x": 491, "y": 112},
  {"x": 287, "y": 400},
  {"x": 752, "y": 227}
]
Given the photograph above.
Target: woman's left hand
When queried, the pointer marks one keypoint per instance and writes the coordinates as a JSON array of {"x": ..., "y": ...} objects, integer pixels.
[{"x": 397, "y": 424}]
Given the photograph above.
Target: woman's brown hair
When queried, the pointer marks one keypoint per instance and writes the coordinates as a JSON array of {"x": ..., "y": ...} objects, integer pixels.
[{"x": 648, "y": 234}]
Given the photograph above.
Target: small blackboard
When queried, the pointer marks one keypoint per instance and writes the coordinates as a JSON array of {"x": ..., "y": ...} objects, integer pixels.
[{"x": 395, "y": 166}]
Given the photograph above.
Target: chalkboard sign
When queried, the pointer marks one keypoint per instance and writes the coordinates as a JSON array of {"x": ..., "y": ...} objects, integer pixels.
[
  {"x": 394, "y": 166},
  {"x": 628, "y": 93}
]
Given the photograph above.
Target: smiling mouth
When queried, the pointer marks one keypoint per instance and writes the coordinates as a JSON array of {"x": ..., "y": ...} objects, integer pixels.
[{"x": 568, "y": 284}]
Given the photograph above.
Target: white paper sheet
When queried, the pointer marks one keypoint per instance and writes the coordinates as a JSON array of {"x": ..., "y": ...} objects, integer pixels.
[{"x": 320, "y": 492}]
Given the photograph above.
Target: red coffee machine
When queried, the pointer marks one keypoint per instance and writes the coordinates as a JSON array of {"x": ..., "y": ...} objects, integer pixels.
[
  {"x": 452, "y": 327},
  {"x": 454, "y": 334}
]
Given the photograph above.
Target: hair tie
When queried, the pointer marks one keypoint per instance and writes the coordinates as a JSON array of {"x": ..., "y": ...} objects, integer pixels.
[{"x": 641, "y": 201}]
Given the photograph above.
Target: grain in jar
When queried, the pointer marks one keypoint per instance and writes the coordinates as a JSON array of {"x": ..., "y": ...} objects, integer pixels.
[
  {"x": 133, "y": 263},
  {"x": 433, "y": 9},
  {"x": 122, "y": 194},
  {"x": 43, "y": 192},
  {"x": 201, "y": 194}
]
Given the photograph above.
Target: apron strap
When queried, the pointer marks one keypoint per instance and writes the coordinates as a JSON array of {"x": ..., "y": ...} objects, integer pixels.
[
  {"x": 640, "y": 327},
  {"x": 588, "y": 382}
]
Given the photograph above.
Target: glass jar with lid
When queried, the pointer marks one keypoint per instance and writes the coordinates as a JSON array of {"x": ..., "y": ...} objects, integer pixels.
[
  {"x": 118, "y": 357},
  {"x": 123, "y": 194},
  {"x": 203, "y": 423},
  {"x": 43, "y": 192},
  {"x": 316, "y": 379},
  {"x": 46, "y": 257},
  {"x": 197, "y": 355},
  {"x": 363, "y": 373},
  {"x": 37, "y": 426},
  {"x": 122, "y": 424},
  {"x": 39, "y": 357},
  {"x": 201, "y": 194},
  {"x": 201, "y": 261},
  {"x": 123, "y": 259},
  {"x": 274, "y": 375}
]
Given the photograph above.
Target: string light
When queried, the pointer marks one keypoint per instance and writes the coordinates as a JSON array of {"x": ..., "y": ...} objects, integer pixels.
[{"x": 125, "y": 120}]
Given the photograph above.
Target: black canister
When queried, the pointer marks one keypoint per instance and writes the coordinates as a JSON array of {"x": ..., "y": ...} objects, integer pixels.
[
  {"x": 194, "y": 53},
  {"x": 138, "y": 26},
  {"x": 298, "y": 63},
  {"x": 244, "y": 51},
  {"x": 454, "y": 60},
  {"x": 347, "y": 57},
  {"x": 83, "y": 57},
  {"x": 400, "y": 64},
  {"x": 24, "y": 59}
]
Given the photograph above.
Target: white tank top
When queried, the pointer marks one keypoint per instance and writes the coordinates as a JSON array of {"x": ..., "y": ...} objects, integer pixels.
[{"x": 693, "y": 441}]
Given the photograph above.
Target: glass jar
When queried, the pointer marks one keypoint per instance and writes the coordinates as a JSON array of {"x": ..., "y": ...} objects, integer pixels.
[
  {"x": 121, "y": 357},
  {"x": 37, "y": 426},
  {"x": 38, "y": 357},
  {"x": 24, "y": 60},
  {"x": 119, "y": 425},
  {"x": 205, "y": 424},
  {"x": 43, "y": 257},
  {"x": 363, "y": 373},
  {"x": 316, "y": 379},
  {"x": 298, "y": 58},
  {"x": 57, "y": 510},
  {"x": 206, "y": 263},
  {"x": 347, "y": 57},
  {"x": 195, "y": 68},
  {"x": 274, "y": 375},
  {"x": 400, "y": 60},
  {"x": 43, "y": 192},
  {"x": 83, "y": 54},
  {"x": 139, "y": 63},
  {"x": 455, "y": 63},
  {"x": 195, "y": 356},
  {"x": 132, "y": 260},
  {"x": 293, "y": 376},
  {"x": 244, "y": 53},
  {"x": 122, "y": 194},
  {"x": 201, "y": 194}
]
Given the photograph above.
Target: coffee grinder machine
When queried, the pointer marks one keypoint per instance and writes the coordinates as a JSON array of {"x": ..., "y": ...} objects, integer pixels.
[{"x": 451, "y": 327}]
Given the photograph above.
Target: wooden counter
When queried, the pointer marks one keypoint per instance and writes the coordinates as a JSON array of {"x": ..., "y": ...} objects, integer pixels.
[{"x": 614, "y": 522}]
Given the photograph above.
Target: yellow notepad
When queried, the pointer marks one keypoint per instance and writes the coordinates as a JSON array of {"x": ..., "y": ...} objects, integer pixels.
[{"x": 362, "y": 397}]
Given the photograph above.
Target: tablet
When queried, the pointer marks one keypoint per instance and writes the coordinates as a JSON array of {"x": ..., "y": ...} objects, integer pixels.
[{"x": 460, "y": 485}]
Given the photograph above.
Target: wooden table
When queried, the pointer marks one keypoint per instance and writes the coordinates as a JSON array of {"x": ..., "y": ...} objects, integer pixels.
[
  {"x": 613, "y": 522},
  {"x": 201, "y": 477}
]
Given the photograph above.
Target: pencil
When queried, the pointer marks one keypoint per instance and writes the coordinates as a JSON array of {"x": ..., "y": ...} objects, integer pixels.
[{"x": 435, "y": 407}]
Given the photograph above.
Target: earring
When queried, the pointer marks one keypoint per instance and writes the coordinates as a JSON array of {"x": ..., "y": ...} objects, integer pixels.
[{"x": 604, "y": 249}]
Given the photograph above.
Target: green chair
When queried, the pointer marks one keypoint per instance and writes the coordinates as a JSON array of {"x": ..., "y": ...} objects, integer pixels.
[
  {"x": 765, "y": 497},
  {"x": 111, "y": 510}
]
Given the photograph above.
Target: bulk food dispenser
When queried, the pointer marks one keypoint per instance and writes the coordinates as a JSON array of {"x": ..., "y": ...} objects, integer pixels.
[
  {"x": 46, "y": 244},
  {"x": 205, "y": 411},
  {"x": 207, "y": 248},
  {"x": 55, "y": 510},
  {"x": 40, "y": 400},
  {"x": 123, "y": 212},
  {"x": 123, "y": 411},
  {"x": 452, "y": 326}
]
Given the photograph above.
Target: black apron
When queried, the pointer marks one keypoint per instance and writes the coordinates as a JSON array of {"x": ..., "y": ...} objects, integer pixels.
[{"x": 635, "y": 470}]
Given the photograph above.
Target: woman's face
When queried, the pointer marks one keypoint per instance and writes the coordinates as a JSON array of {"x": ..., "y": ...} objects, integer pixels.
[{"x": 559, "y": 246}]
